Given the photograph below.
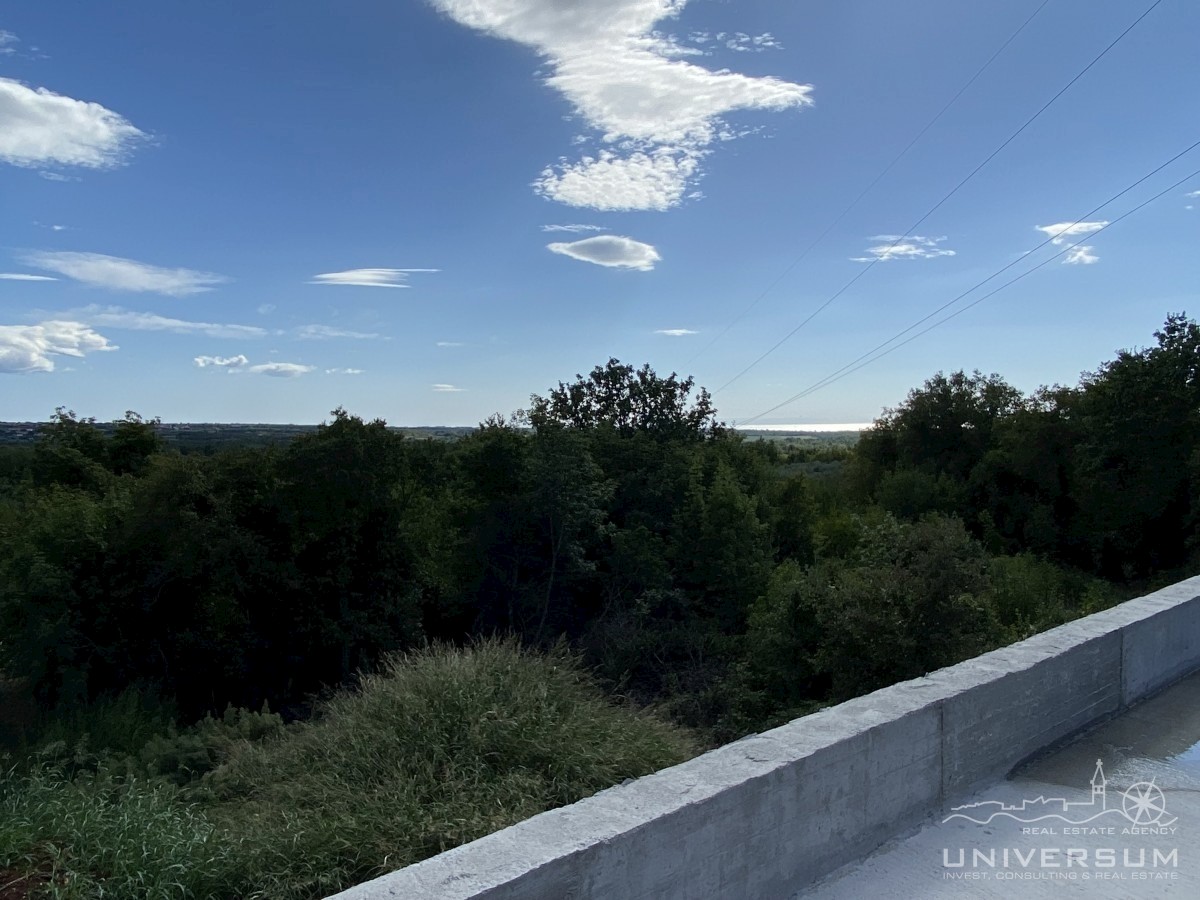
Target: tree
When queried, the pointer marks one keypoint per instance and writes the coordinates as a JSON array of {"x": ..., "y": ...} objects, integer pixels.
[
  {"x": 626, "y": 400},
  {"x": 1136, "y": 424}
]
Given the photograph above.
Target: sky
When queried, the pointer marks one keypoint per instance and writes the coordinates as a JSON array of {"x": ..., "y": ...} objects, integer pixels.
[{"x": 426, "y": 211}]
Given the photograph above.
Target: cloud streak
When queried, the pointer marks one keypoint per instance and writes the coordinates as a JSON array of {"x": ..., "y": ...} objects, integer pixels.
[
  {"x": 25, "y": 349},
  {"x": 116, "y": 317},
  {"x": 43, "y": 128},
  {"x": 446, "y": 389},
  {"x": 652, "y": 116},
  {"x": 240, "y": 363},
  {"x": 328, "y": 332},
  {"x": 614, "y": 251},
  {"x": 676, "y": 332},
  {"x": 221, "y": 362},
  {"x": 114, "y": 273},
  {"x": 914, "y": 246},
  {"x": 387, "y": 278},
  {"x": 573, "y": 229},
  {"x": 21, "y": 276}
]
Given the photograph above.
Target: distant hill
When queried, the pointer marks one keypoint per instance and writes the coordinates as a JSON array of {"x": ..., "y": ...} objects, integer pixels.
[{"x": 212, "y": 435}]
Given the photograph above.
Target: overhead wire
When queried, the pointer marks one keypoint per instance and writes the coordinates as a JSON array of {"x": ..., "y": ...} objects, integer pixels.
[
  {"x": 866, "y": 190},
  {"x": 1012, "y": 137},
  {"x": 874, "y": 354}
]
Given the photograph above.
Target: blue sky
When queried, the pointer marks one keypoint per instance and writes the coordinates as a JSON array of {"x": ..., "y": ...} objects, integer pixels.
[{"x": 426, "y": 211}]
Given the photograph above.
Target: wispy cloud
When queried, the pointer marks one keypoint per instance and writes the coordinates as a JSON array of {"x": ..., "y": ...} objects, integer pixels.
[
  {"x": 8, "y": 42},
  {"x": 21, "y": 276},
  {"x": 116, "y": 274},
  {"x": 280, "y": 369},
  {"x": 652, "y": 114},
  {"x": 1064, "y": 231},
  {"x": 265, "y": 309},
  {"x": 573, "y": 229},
  {"x": 741, "y": 42},
  {"x": 1192, "y": 194},
  {"x": 116, "y": 317},
  {"x": 44, "y": 128},
  {"x": 240, "y": 363},
  {"x": 676, "y": 332},
  {"x": 610, "y": 250},
  {"x": 325, "y": 332},
  {"x": 221, "y": 362},
  {"x": 914, "y": 246},
  {"x": 1080, "y": 256},
  {"x": 702, "y": 43},
  {"x": 32, "y": 348},
  {"x": 344, "y": 371},
  {"x": 450, "y": 343},
  {"x": 446, "y": 389},
  {"x": 389, "y": 278},
  {"x": 57, "y": 176}
]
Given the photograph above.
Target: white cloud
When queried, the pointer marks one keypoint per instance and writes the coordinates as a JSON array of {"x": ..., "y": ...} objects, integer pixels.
[
  {"x": 323, "y": 332},
  {"x": 57, "y": 176},
  {"x": 8, "y": 42},
  {"x": 1059, "y": 234},
  {"x": 741, "y": 42},
  {"x": 1080, "y": 256},
  {"x": 240, "y": 363},
  {"x": 116, "y": 317},
  {"x": 450, "y": 343},
  {"x": 58, "y": 227},
  {"x": 221, "y": 362},
  {"x": 117, "y": 274},
  {"x": 652, "y": 180},
  {"x": 266, "y": 309},
  {"x": 39, "y": 127},
  {"x": 281, "y": 369},
  {"x": 21, "y": 276},
  {"x": 344, "y": 371},
  {"x": 1062, "y": 232},
  {"x": 31, "y": 348},
  {"x": 914, "y": 246},
  {"x": 676, "y": 332},
  {"x": 573, "y": 229},
  {"x": 391, "y": 278},
  {"x": 625, "y": 80},
  {"x": 446, "y": 389},
  {"x": 1192, "y": 194},
  {"x": 610, "y": 250}
]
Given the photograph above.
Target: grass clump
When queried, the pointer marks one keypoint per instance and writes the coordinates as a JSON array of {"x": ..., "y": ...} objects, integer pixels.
[{"x": 439, "y": 747}]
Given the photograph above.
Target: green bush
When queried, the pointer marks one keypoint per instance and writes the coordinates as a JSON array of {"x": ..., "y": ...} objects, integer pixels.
[{"x": 440, "y": 747}]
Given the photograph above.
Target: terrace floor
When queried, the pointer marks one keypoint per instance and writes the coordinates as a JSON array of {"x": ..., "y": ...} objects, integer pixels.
[{"x": 1047, "y": 831}]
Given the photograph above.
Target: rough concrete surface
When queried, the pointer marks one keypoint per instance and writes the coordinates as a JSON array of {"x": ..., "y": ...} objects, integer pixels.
[{"x": 1155, "y": 745}]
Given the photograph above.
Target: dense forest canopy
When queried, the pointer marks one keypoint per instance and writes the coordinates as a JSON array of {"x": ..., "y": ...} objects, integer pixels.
[{"x": 689, "y": 565}]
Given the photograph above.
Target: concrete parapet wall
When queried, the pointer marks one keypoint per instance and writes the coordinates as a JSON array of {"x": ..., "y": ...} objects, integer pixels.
[{"x": 766, "y": 815}]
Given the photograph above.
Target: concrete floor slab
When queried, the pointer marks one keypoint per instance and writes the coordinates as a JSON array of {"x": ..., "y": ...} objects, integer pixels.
[{"x": 1062, "y": 825}]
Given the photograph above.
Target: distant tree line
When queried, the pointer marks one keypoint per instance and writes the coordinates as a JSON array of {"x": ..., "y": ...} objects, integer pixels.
[{"x": 732, "y": 582}]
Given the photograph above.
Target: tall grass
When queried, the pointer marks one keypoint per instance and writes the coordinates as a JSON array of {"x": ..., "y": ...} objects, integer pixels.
[{"x": 440, "y": 747}]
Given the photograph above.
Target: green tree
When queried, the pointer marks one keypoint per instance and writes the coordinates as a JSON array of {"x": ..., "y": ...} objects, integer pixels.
[{"x": 619, "y": 397}]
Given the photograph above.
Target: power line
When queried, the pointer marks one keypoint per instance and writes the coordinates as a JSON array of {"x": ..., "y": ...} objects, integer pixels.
[
  {"x": 952, "y": 192},
  {"x": 878, "y": 178},
  {"x": 873, "y": 355}
]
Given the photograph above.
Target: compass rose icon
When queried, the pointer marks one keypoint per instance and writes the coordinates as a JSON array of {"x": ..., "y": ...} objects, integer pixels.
[{"x": 1143, "y": 803}]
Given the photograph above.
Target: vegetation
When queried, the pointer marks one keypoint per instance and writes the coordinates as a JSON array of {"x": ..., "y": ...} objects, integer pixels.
[
  {"x": 439, "y": 747},
  {"x": 443, "y": 637}
]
